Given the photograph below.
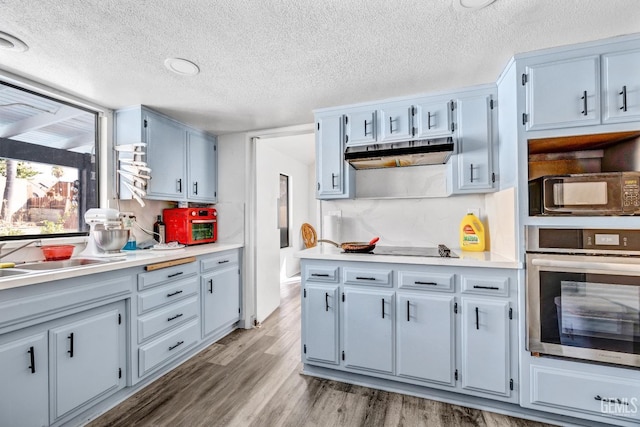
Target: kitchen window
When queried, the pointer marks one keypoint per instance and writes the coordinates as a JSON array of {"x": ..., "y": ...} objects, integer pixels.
[{"x": 48, "y": 167}]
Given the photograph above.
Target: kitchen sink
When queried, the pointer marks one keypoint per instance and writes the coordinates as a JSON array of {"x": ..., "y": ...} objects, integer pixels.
[
  {"x": 56, "y": 265},
  {"x": 8, "y": 272}
]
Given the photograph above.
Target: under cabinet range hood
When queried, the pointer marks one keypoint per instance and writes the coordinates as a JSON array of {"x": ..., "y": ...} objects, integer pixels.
[{"x": 400, "y": 154}]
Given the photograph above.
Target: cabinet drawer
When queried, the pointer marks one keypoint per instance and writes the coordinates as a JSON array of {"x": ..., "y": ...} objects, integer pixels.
[
  {"x": 321, "y": 274},
  {"x": 165, "y": 318},
  {"x": 597, "y": 394},
  {"x": 154, "y": 354},
  {"x": 355, "y": 276},
  {"x": 426, "y": 281},
  {"x": 221, "y": 260},
  {"x": 166, "y": 275},
  {"x": 167, "y": 294},
  {"x": 485, "y": 285}
]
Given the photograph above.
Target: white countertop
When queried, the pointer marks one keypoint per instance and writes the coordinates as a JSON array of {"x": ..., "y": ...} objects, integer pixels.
[
  {"x": 128, "y": 259},
  {"x": 467, "y": 259}
]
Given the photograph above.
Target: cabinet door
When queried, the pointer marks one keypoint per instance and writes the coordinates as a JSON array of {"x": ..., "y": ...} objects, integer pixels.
[
  {"x": 220, "y": 298},
  {"x": 202, "y": 183},
  {"x": 360, "y": 127},
  {"x": 320, "y": 323},
  {"x": 334, "y": 177},
  {"x": 563, "y": 94},
  {"x": 368, "y": 330},
  {"x": 85, "y": 357},
  {"x": 24, "y": 374},
  {"x": 621, "y": 90},
  {"x": 396, "y": 122},
  {"x": 485, "y": 345},
  {"x": 426, "y": 337},
  {"x": 166, "y": 152},
  {"x": 474, "y": 161},
  {"x": 433, "y": 119}
]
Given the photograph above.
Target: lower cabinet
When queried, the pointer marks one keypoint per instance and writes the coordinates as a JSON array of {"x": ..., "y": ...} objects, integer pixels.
[
  {"x": 486, "y": 346},
  {"x": 220, "y": 290},
  {"x": 24, "y": 370},
  {"x": 369, "y": 320},
  {"x": 426, "y": 337},
  {"x": 52, "y": 369},
  {"x": 432, "y": 326},
  {"x": 320, "y": 308}
]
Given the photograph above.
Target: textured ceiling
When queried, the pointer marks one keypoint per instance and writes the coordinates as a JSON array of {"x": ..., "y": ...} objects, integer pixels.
[{"x": 267, "y": 64}]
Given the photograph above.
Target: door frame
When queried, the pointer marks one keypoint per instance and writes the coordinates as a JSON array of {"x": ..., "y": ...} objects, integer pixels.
[{"x": 250, "y": 303}]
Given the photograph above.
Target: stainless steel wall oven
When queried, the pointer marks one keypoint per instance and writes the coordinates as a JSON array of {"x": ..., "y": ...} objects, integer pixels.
[{"x": 583, "y": 294}]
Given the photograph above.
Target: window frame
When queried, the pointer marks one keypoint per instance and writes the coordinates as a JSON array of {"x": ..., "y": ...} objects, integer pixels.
[{"x": 18, "y": 83}]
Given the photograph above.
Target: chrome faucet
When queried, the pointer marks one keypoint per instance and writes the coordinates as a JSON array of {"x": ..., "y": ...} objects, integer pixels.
[{"x": 38, "y": 243}]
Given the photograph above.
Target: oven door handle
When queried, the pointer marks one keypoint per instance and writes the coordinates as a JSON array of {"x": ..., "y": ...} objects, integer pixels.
[
  {"x": 203, "y": 221},
  {"x": 591, "y": 266}
]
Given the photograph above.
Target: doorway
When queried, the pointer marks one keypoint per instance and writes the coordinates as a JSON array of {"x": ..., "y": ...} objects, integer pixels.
[{"x": 293, "y": 157}]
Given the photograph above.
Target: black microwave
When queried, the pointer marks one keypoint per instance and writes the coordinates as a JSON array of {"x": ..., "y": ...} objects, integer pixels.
[{"x": 589, "y": 194}]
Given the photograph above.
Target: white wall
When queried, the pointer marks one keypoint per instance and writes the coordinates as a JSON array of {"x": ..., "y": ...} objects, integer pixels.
[{"x": 232, "y": 181}]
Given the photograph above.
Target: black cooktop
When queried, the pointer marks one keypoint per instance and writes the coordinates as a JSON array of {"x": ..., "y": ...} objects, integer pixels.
[{"x": 441, "y": 251}]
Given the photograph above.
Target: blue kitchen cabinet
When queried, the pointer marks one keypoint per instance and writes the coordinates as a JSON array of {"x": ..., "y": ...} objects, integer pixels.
[
  {"x": 562, "y": 93},
  {"x": 87, "y": 354},
  {"x": 335, "y": 177},
  {"x": 24, "y": 374},
  {"x": 320, "y": 307},
  {"x": 621, "y": 86},
  {"x": 396, "y": 122},
  {"x": 473, "y": 167},
  {"x": 369, "y": 324},
  {"x": 202, "y": 161},
  {"x": 486, "y": 345},
  {"x": 360, "y": 127},
  {"x": 183, "y": 160},
  {"x": 426, "y": 337},
  {"x": 434, "y": 119},
  {"x": 220, "y": 290}
]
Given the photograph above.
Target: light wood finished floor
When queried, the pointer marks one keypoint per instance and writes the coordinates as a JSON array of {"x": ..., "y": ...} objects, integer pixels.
[{"x": 252, "y": 378}]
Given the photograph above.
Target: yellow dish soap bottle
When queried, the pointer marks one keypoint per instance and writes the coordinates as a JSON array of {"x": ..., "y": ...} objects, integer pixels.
[{"x": 471, "y": 234}]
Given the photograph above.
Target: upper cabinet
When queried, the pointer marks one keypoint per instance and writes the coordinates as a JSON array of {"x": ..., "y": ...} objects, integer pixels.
[
  {"x": 621, "y": 84},
  {"x": 183, "y": 160},
  {"x": 335, "y": 177},
  {"x": 360, "y": 127},
  {"x": 434, "y": 119},
  {"x": 396, "y": 121},
  {"x": 561, "y": 92},
  {"x": 473, "y": 167}
]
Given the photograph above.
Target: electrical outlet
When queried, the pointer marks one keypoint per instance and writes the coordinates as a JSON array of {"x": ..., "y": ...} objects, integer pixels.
[{"x": 475, "y": 211}]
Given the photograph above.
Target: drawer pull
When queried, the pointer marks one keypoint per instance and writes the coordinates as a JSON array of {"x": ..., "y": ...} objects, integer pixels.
[
  {"x": 174, "y": 294},
  {"x": 493, "y": 288},
  {"x": 175, "y": 274},
  {"x": 174, "y": 317},
  {"x": 70, "y": 338},
  {"x": 223, "y": 261},
  {"x": 178, "y": 344},
  {"x": 417, "y": 282},
  {"x": 320, "y": 274},
  {"x": 612, "y": 400},
  {"x": 365, "y": 278},
  {"x": 32, "y": 358}
]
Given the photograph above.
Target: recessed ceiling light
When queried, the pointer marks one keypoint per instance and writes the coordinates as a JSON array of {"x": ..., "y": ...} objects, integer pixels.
[
  {"x": 181, "y": 66},
  {"x": 473, "y": 4},
  {"x": 9, "y": 42}
]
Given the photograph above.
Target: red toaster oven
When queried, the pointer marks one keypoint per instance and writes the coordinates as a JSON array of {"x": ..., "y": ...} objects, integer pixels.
[{"x": 191, "y": 226}]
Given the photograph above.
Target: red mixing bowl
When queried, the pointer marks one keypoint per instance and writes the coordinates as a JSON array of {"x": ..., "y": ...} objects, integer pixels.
[{"x": 57, "y": 252}]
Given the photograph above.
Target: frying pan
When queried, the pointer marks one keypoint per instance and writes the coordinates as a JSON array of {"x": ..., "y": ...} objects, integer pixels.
[{"x": 357, "y": 247}]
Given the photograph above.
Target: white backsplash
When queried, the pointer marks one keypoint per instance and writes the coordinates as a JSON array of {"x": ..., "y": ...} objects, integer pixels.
[
  {"x": 230, "y": 222},
  {"x": 405, "y": 222}
]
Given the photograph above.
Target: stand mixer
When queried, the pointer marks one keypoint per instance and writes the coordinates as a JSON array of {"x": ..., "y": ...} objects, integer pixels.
[{"x": 101, "y": 219}]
